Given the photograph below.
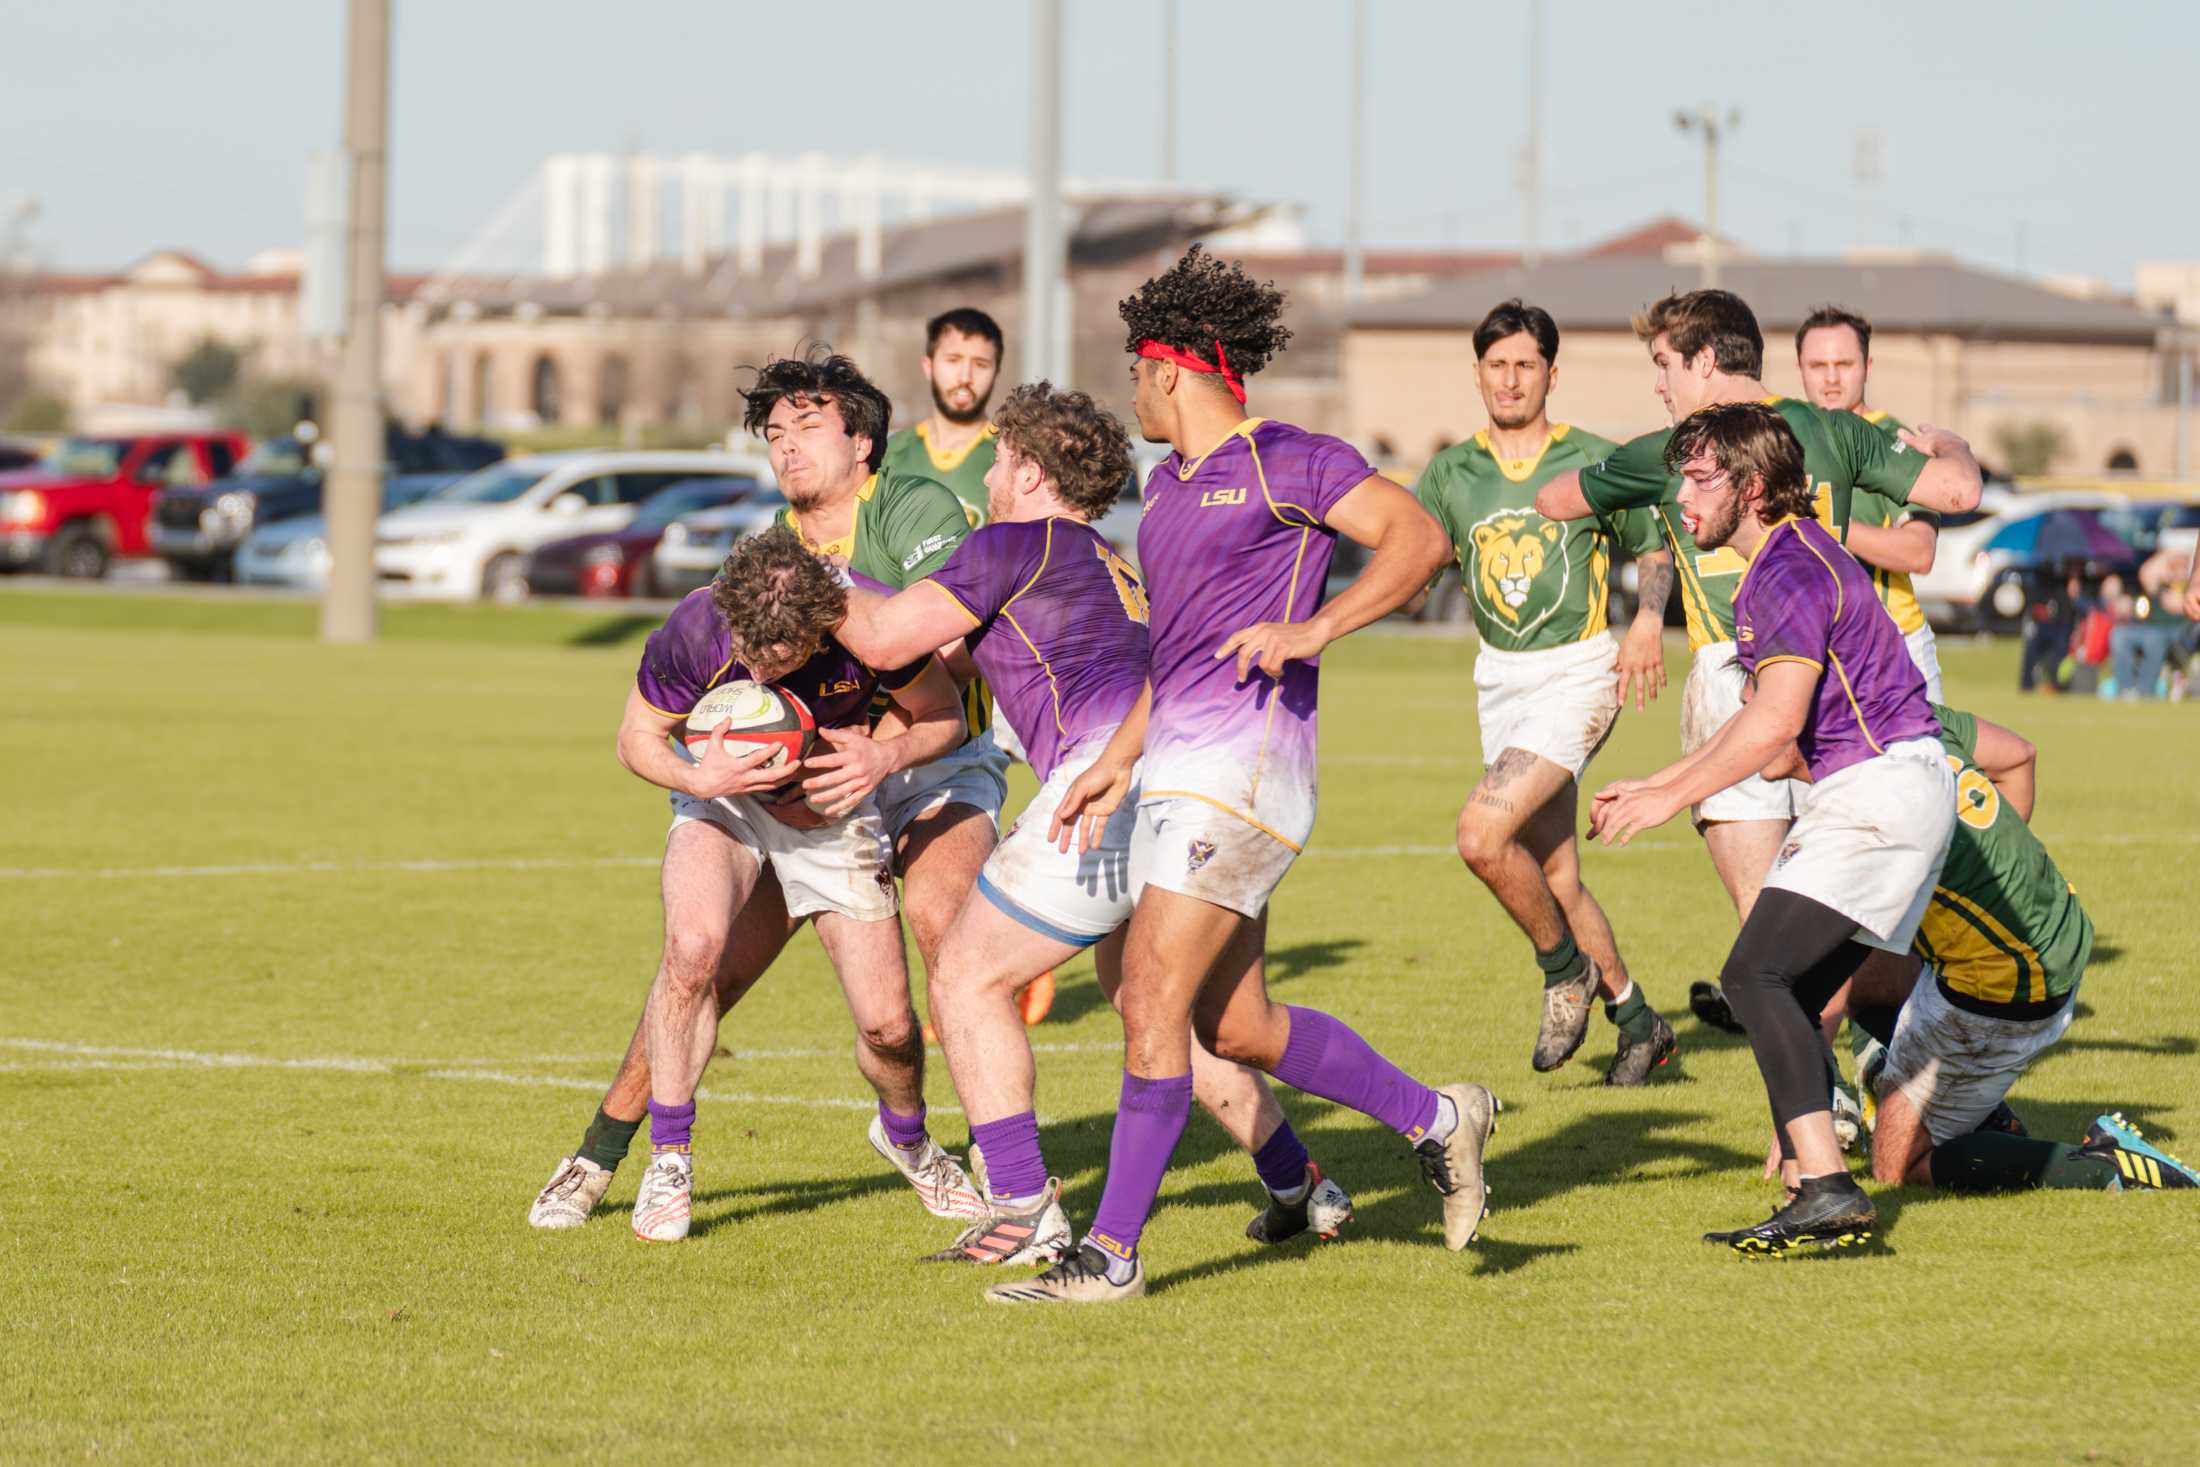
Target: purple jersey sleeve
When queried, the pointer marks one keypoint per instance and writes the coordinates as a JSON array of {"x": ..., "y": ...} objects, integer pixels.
[
  {"x": 1791, "y": 613},
  {"x": 989, "y": 567},
  {"x": 684, "y": 657},
  {"x": 1323, "y": 470},
  {"x": 893, "y": 679}
]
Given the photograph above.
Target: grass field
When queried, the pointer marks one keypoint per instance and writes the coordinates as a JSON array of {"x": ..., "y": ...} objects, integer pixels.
[{"x": 316, "y": 960}]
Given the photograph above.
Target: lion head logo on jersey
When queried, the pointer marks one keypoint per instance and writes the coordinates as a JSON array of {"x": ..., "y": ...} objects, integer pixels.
[{"x": 1510, "y": 561}]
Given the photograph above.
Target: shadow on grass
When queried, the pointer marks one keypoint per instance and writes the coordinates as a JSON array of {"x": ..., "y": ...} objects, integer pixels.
[
  {"x": 2169, "y": 1046},
  {"x": 1607, "y": 1147},
  {"x": 2066, "y": 1120},
  {"x": 772, "y": 1199},
  {"x": 613, "y": 630},
  {"x": 1075, "y": 999}
]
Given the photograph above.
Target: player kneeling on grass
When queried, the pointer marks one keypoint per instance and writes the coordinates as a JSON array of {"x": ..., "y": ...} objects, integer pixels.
[
  {"x": 2003, "y": 945},
  {"x": 1056, "y": 621},
  {"x": 822, "y": 840},
  {"x": 1832, "y": 676}
]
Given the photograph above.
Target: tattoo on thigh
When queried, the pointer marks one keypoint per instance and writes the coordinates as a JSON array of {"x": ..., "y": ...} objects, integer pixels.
[
  {"x": 1508, "y": 766},
  {"x": 1494, "y": 802}
]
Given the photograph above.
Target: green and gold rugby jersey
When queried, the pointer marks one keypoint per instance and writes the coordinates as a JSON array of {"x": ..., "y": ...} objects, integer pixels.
[
  {"x": 1841, "y": 453},
  {"x": 1534, "y": 583},
  {"x": 910, "y": 452},
  {"x": 1870, "y": 507},
  {"x": 2004, "y": 932},
  {"x": 905, "y": 527}
]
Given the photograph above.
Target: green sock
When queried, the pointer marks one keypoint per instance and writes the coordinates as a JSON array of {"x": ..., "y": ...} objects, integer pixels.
[
  {"x": 1562, "y": 964},
  {"x": 607, "y": 1139},
  {"x": 1636, "y": 1019},
  {"x": 1988, "y": 1161}
]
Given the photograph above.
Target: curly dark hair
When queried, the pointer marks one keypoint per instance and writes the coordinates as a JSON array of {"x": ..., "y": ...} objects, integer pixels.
[
  {"x": 1201, "y": 300},
  {"x": 821, "y": 375},
  {"x": 773, "y": 593},
  {"x": 1747, "y": 440},
  {"x": 1080, "y": 444}
]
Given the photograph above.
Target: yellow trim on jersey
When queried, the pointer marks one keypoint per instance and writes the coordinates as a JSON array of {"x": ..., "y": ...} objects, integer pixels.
[
  {"x": 1873, "y": 416},
  {"x": 661, "y": 712},
  {"x": 1054, "y": 688},
  {"x": 1600, "y": 563},
  {"x": 1147, "y": 797},
  {"x": 1765, "y": 662},
  {"x": 922, "y": 668},
  {"x": 1244, "y": 429},
  {"x": 953, "y": 461},
  {"x": 1975, "y": 953},
  {"x": 1703, "y": 630},
  {"x": 1749, "y": 562},
  {"x": 1290, "y": 600},
  {"x": 1519, "y": 470},
  {"x": 845, "y": 546},
  {"x": 950, "y": 595}
]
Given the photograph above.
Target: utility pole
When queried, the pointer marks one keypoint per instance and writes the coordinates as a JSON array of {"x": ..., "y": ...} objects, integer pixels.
[
  {"x": 355, "y": 479},
  {"x": 1356, "y": 165},
  {"x": 1043, "y": 247},
  {"x": 1168, "y": 91},
  {"x": 1706, "y": 123},
  {"x": 1531, "y": 155}
]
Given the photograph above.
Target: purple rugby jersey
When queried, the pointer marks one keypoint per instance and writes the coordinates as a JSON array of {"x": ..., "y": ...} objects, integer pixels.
[
  {"x": 693, "y": 653},
  {"x": 1060, "y": 629},
  {"x": 1806, "y": 599},
  {"x": 1235, "y": 538}
]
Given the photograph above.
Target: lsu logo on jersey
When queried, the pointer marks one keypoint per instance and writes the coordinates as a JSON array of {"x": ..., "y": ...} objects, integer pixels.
[
  {"x": 1520, "y": 569},
  {"x": 838, "y": 685},
  {"x": 1221, "y": 498}
]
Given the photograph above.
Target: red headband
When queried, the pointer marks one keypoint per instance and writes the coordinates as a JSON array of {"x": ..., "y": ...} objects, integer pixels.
[{"x": 1151, "y": 348}]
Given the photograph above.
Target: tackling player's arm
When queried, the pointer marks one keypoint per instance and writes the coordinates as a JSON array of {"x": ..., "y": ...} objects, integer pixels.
[
  {"x": 930, "y": 710},
  {"x": 1631, "y": 476},
  {"x": 898, "y": 630},
  {"x": 1641, "y": 663},
  {"x": 1096, "y": 794},
  {"x": 2008, "y": 759},
  {"x": 1907, "y": 547},
  {"x": 1406, "y": 546},
  {"x": 1949, "y": 484},
  {"x": 1751, "y": 738},
  {"x": 646, "y": 748}
]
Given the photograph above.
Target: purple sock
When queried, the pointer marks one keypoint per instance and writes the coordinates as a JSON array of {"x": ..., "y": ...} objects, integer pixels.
[
  {"x": 906, "y": 1132},
  {"x": 1013, "y": 1165},
  {"x": 1149, "y": 1122},
  {"x": 669, "y": 1126},
  {"x": 1281, "y": 1160},
  {"x": 1325, "y": 1058}
]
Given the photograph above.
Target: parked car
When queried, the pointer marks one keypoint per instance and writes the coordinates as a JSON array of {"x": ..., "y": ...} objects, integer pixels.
[
  {"x": 617, "y": 562},
  {"x": 89, "y": 501},
  {"x": 473, "y": 539},
  {"x": 695, "y": 545},
  {"x": 293, "y": 552},
  {"x": 17, "y": 456},
  {"x": 1960, "y": 592},
  {"x": 197, "y": 529}
]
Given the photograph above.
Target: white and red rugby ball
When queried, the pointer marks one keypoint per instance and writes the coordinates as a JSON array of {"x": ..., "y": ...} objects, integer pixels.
[{"x": 757, "y": 715}]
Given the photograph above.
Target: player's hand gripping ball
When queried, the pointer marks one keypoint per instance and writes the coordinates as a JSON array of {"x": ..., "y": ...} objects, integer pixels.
[{"x": 756, "y": 715}]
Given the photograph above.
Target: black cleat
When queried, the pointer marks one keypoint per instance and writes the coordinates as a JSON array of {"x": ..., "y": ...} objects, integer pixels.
[
  {"x": 1634, "y": 1062},
  {"x": 2004, "y": 1121},
  {"x": 1709, "y": 1005},
  {"x": 1826, "y": 1212},
  {"x": 1323, "y": 1210}
]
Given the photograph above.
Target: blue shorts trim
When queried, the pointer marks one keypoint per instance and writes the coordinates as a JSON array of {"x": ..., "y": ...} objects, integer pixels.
[{"x": 1038, "y": 924}]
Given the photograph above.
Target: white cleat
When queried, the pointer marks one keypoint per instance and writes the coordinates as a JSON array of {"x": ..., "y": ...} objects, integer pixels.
[
  {"x": 941, "y": 1185},
  {"x": 662, "y": 1206},
  {"x": 574, "y": 1190}
]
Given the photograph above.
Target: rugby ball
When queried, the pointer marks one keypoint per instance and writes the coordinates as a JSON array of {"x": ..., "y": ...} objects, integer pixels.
[{"x": 757, "y": 715}]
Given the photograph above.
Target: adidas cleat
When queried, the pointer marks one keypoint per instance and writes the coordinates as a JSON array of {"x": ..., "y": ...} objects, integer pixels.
[
  {"x": 1453, "y": 1165},
  {"x": 937, "y": 1176},
  {"x": 572, "y": 1194},
  {"x": 1081, "y": 1278},
  {"x": 1825, "y": 1212},
  {"x": 1566, "y": 1009},
  {"x": 1322, "y": 1211},
  {"x": 1707, "y": 1001},
  {"x": 1634, "y": 1062},
  {"x": 661, "y": 1207},
  {"x": 1037, "y": 1235},
  {"x": 2141, "y": 1163}
]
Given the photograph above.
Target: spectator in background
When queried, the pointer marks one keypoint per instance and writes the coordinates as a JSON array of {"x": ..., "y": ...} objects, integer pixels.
[
  {"x": 2158, "y": 622},
  {"x": 2049, "y": 620}
]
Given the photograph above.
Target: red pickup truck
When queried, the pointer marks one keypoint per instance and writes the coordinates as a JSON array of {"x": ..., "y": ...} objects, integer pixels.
[{"x": 90, "y": 500}]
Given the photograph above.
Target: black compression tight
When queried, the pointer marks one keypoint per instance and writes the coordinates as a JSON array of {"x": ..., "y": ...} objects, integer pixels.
[{"x": 1792, "y": 956}]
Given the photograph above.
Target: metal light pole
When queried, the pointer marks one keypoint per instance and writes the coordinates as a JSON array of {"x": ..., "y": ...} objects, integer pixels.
[
  {"x": 355, "y": 479},
  {"x": 1706, "y": 123},
  {"x": 1043, "y": 246},
  {"x": 1356, "y": 165}
]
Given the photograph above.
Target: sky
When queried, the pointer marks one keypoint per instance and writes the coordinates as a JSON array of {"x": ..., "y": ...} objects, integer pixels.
[{"x": 2055, "y": 139}]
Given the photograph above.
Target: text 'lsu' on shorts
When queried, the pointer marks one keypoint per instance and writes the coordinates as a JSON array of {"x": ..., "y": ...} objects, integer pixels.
[
  {"x": 1870, "y": 841},
  {"x": 1075, "y": 897},
  {"x": 842, "y": 867},
  {"x": 1925, "y": 656},
  {"x": 1711, "y": 695},
  {"x": 1955, "y": 1066},
  {"x": 975, "y": 774},
  {"x": 1558, "y": 703}
]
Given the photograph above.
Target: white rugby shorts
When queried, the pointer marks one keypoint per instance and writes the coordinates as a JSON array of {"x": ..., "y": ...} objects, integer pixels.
[
  {"x": 1956, "y": 1066},
  {"x": 1558, "y": 703},
  {"x": 1712, "y": 695},
  {"x": 842, "y": 867},
  {"x": 1925, "y": 653},
  {"x": 1186, "y": 844},
  {"x": 975, "y": 774},
  {"x": 1076, "y": 897},
  {"x": 1870, "y": 841}
]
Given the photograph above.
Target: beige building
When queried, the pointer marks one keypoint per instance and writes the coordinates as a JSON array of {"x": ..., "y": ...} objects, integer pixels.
[{"x": 1953, "y": 345}]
